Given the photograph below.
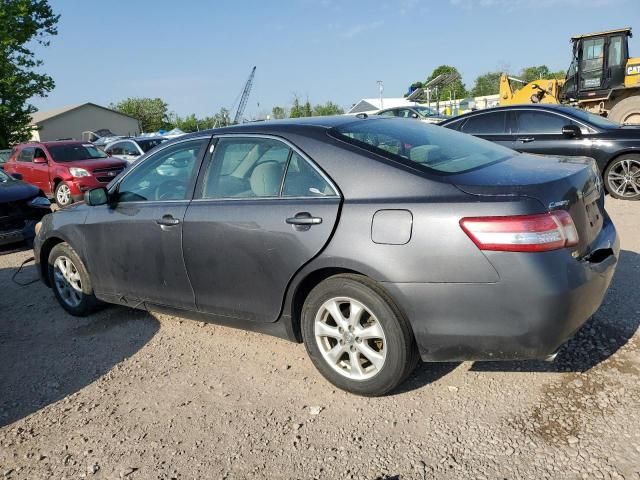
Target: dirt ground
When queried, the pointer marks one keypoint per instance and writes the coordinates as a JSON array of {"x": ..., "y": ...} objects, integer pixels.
[{"x": 127, "y": 394}]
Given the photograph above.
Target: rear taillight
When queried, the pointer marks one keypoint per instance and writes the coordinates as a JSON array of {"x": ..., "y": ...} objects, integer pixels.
[{"x": 522, "y": 233}]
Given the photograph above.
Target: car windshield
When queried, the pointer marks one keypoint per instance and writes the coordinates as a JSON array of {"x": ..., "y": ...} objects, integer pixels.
[
  {"x": 428, "y": 147},
  {"x": 4, "y": 178},
  {"x": 425, "y": 111},
  {"x": 592, "y": 118},
  {"x": 73, "y": 152}
]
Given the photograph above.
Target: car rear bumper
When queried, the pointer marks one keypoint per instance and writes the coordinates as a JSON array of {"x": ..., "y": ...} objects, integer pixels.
[{"x": 541, "y": 300}]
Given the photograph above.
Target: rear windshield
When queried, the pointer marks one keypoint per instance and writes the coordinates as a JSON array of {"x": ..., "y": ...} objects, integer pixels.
[
  {"x": 428, "y": 147},
  {"x": 75, "y": 151}
]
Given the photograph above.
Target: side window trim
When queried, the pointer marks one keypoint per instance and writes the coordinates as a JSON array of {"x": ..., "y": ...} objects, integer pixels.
[
  {"x": 195, "y": 174},
  {"x": 208, "y": 157}
]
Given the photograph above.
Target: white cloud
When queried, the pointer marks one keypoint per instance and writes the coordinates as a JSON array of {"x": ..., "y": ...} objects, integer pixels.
[{"x": 361, "y": 28}]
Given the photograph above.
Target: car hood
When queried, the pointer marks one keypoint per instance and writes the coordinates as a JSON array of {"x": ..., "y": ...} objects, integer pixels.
[
  {"x": 95, "y": 163},
  {"x": 16, "y": 190}
]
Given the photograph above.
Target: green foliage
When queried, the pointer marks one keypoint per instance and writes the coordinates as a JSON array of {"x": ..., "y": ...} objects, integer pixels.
[
  {"x": 296, "y": 109},
  {"x": 327, "y": 109},
  {"x": 306, "y": 109},
  {"x": 486, "y": 84},
  {"x": 152, "y": 113},
  {"x": 531, "y": 74},
  {"x": 23, "y": 24},
  {"x": 278, "y": 113},
  {"x": 455, "y": 89}
]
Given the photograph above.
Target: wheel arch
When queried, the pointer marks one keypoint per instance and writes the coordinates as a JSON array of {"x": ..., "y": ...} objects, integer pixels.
[
  {"x": 615, "y": 156},
  {"x": 45, "y": 250}
]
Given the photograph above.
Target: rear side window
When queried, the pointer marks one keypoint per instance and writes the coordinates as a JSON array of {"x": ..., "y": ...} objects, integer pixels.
[
  {"x": 302, "y": 180},
  {"x": 428, "y": 147},
  {"x": 540, "y": 122},
  {"x": 486, "y": 124}
]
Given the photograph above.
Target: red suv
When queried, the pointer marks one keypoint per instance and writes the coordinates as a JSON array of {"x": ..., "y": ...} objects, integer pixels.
[{"x": 63, "y": 169}]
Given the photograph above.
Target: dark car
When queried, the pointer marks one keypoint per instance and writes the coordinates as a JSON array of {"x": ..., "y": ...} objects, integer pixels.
[
  {"x": 63, "y": 170},
  {"x": 567, "y": 131},
  {"x": 376, "y": 241},
  {"x": 21, "y": 207}
]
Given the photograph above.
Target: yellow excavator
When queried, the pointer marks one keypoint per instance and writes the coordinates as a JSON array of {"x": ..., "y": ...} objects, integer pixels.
[{"x": 601, "y": 79}]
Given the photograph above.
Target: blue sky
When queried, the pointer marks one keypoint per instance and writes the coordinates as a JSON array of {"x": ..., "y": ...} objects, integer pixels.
[{"x": 197, "y": 54}]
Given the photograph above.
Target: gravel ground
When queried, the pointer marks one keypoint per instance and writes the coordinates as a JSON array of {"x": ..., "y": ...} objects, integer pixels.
[{"x": 127, "y": 394}]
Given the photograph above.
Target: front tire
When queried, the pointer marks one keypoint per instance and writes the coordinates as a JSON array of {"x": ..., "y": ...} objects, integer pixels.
[
  {"x": 70, "y": 281},
  {"x": 622, "y": 177},
  {"x": 626, "y": 111},
  {"x": 63, "y": 195},
  {"x": 356, "y": 337}
]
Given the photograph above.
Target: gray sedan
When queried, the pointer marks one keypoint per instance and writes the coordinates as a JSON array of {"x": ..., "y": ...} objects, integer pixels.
[{"x": 375, "y": 241}]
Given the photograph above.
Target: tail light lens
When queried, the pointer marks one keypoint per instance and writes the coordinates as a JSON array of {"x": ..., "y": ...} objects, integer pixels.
[{"x": 522, "y": 233}]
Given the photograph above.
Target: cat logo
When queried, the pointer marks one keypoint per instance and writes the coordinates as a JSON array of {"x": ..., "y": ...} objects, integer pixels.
[{"x": 633, "y": 70}]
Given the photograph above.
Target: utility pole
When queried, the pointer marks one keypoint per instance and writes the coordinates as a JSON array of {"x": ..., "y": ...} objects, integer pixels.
[{"x": 381, "y": 88}]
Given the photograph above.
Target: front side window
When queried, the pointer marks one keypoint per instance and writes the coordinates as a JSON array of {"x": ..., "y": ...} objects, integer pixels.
[
  {"x": 26, "y": 155},
  {"x": 165, "y": 175},
  {"x": 486, "y": 124},
  {"x": 615, "y": 51},
  {"x": 73, "y": 152},
  {"x": 540, "y": 122},
  {"x": 389, "y": 113},
  {"x": 129, "y": 148},
  {"x": 427, "y": 147},
  {"x": 592, "y": 63},
  {"x": 246, "y": 167},
  {"x": 404, "y": 113}
]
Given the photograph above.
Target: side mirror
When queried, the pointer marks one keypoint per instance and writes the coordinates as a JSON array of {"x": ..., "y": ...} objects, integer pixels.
[
  {"x": 571, "y": 131},
  {"x": 17, "y": 176},
  {"x": 96, "y": 196},
  {"x": 39, "y": 160}
]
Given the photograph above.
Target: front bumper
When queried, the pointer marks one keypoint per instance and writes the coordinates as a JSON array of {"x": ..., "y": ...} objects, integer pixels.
[
  {"x": 82, "y": 184},
  {"x": 540, "y": 301}
]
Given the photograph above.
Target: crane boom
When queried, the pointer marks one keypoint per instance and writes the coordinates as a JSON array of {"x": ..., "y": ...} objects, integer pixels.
[{"x": 244, "y": 97}]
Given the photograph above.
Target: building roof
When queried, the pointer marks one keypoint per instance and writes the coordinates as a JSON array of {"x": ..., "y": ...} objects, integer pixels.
[
  {"x": 370, "y": 104},
  {"x": 39, "y": 117}
]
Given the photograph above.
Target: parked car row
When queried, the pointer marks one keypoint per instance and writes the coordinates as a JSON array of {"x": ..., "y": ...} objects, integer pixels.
[{"x": 375, "y": 241}]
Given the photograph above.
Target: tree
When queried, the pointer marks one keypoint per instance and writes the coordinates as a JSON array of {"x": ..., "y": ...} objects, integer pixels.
[
  {"x": 278, "y": 113},
  {"x": 152, "y": 113},
  {"x": 306, "y": 109},
  {"x": 296, "y": 109},
  {"x": 328, "y": 108},
  {"x": 531, "y": 74},
  {"x": 455, "y": 89},
  {"x": 23, "y": 24},
  {"x": 486, "y": 84}
]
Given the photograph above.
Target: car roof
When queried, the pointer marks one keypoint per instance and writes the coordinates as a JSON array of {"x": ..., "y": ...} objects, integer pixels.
[{"x": 534, "y": 106}]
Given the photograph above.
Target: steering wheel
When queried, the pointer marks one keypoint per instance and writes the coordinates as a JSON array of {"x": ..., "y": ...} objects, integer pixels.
[{"x": 170, "y": 190}]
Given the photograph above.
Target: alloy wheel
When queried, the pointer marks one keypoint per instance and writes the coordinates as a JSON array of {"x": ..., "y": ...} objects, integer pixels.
[
  {"x": 624, "y": 178},
  {"x": 67, "y": 281},
  {"x": 350, "y": 338},
  {"x": 63, "y": 194}
]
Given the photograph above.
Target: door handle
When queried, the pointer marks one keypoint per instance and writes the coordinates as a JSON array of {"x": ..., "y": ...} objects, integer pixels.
[
  {"x": 167, "y": 221},
  {"x": 526, "y": 139},
  {"x": 304, "y": 219}
]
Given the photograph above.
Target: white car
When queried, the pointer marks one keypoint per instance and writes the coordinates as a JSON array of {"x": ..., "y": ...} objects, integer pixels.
[
  {"x": 130, "y": 149},
  {"x": 419, "y": 112}
]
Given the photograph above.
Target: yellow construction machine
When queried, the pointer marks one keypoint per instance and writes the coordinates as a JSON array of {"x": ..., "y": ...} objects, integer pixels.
[{"x": 601, "y": 79}]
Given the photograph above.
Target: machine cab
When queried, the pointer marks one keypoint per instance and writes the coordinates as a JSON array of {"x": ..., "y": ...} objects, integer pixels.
[{"x": 598, "y": 65}]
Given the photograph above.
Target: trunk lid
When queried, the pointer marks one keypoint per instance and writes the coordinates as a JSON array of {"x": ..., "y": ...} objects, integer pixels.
[{"x": 568, "y": 183}]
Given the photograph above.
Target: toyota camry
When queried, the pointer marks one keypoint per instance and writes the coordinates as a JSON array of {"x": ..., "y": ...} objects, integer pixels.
[{"x": 375, "y": 241}]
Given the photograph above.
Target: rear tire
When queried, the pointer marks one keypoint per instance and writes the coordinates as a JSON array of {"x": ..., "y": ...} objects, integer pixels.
[
  {"x": 626, "y": 111},
  {"x": 356, "y": 337},
  {"x": 622, "y": 177},
  {"x": 70, "y": 281}
]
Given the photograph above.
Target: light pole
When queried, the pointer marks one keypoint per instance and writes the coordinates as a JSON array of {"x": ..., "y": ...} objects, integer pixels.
[{"x": 381, "y": 88}]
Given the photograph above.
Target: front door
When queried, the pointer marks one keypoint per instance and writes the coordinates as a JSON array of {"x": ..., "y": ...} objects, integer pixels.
[
  {"x": 540, "y": 132},
  {"x": 40, "y": 172},
  {"x": 136, "y": 242},
  {"x": 261, "y": 211}
]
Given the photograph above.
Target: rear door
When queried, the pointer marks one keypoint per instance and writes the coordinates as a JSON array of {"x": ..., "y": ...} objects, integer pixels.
[
  {"x": 492, "y": 126},
  {"x": 23, "y": 163},
  {"x": 261, "y": 211}
]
